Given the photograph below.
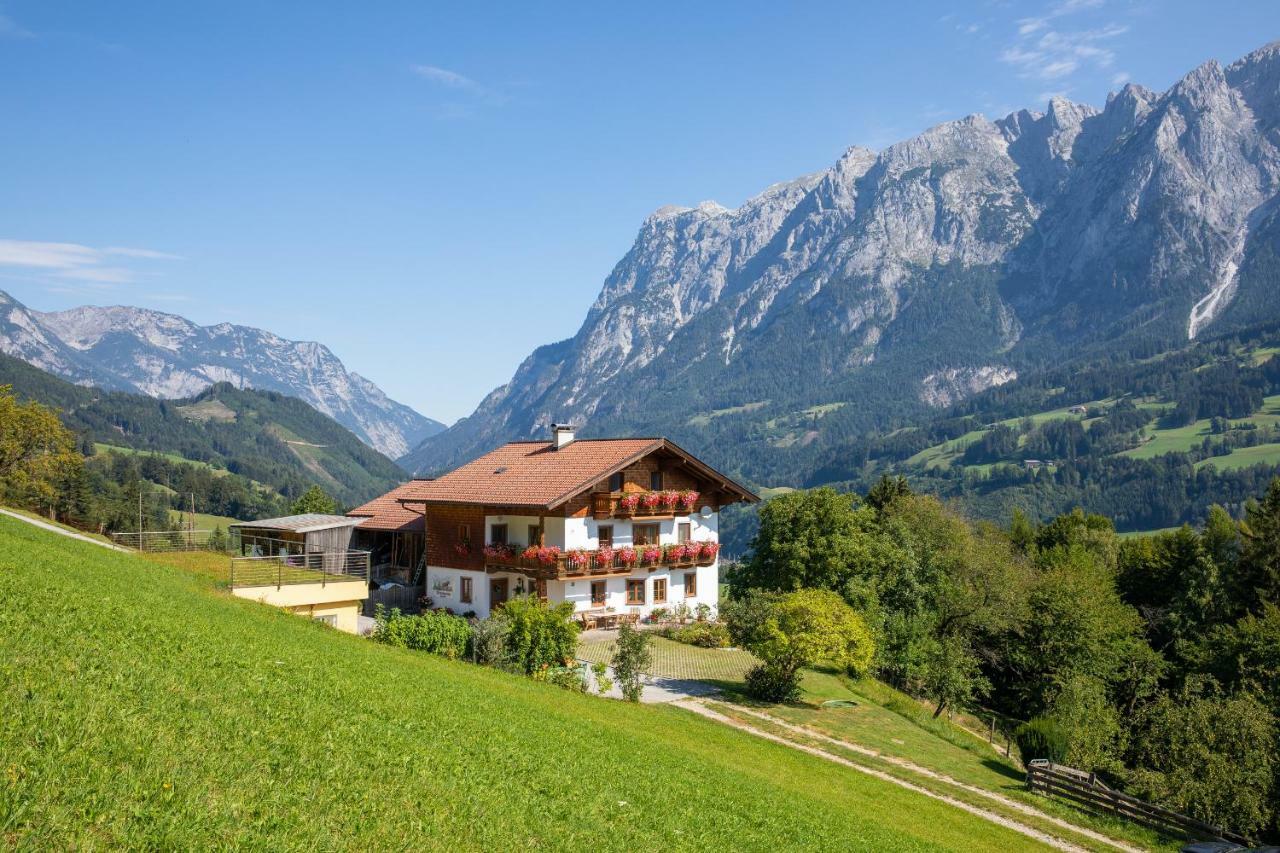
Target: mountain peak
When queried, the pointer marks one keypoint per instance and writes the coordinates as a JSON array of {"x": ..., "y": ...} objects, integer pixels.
[{"x": 165, "y": 355}]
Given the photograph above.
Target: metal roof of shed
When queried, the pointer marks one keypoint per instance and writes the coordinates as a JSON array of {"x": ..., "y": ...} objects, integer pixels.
[{"x": 306, "y": 523}]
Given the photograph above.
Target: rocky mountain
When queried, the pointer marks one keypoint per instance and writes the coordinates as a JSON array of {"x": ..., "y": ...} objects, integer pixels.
[
  {"x": 167, "y": 356},
  {"x": 897, "y": 281}
]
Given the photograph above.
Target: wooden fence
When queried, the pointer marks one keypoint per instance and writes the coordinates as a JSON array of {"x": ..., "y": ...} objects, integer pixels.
[
  {"x": 403, "y": 598},
  {"x": 1085, "y": 789}
]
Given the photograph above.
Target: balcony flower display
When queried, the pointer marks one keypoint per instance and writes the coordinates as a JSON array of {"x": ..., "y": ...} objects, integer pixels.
[
  {"x": 499, "y": 551},
  {"x": 651, "y": 500},
  {"x": 708, "y": 550},
  {"x": 670, "y": 499},
  {"x": 629, "y": 503},
  {"x": 530, "y": 553},
  {"x": 463, "y": 548},
  {"x": 677, "y": 553},
  {"x": 548, "y": 555},
  {"x": 604, "y": 557},
  {"x": 689, "y": 499},
  {"x": 579, "y": 558},
  {"x": 650, "y": 554},
  {"x": 626, "y": 556}
]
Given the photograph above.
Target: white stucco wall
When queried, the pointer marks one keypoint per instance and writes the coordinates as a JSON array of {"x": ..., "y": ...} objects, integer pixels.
[{"x": 571, "y": 533}]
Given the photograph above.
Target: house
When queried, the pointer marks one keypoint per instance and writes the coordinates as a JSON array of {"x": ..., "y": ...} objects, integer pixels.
[
  {"x": 304, "y": 564},
  {"x": 612, "y": 525},
  {"x": 1079, "y": 410}
]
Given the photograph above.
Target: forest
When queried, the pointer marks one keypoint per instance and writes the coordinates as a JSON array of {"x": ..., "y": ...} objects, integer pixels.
[{"x": 1153, "y": 661}]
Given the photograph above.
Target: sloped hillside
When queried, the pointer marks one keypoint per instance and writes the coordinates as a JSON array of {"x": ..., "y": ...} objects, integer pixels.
[{"x": 143, "y": 708}]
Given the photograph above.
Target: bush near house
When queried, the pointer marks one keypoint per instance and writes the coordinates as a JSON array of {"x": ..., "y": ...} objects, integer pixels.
[{"x": 439, "y": 633}]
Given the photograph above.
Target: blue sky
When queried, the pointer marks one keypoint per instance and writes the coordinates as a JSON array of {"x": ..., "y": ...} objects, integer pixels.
[{"x": 433, "y": 190}]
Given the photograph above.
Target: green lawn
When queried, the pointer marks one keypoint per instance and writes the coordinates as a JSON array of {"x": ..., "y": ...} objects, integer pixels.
[
  {"x": 99, "y": 447},
  {"x": 877, "y": 717},
  {"x": 140, "y": 707},
  {"x": 1176, "y": 440},
  {"x": 1243, "y": 457},
  {"x": 204, "y": 521},
  {"x": 677, "y": 660}
]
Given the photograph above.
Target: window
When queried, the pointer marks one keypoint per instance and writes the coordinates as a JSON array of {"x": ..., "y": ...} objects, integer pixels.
[
  {"x": 655, "y": 481},
  {"x": 690, "y": 584},
  {"x": 466, "y": 590},
  {"x": 645, "y": 534},
  {"x": 606, "y": 535},
  {"x": 535, "y": 534},
  {"x": 464, "y": 532},
  {"x": 659, "y": 590},
  {"x": 498, "y": 534},
  {"x": 615, "y": 482},
  {"x": 330, "y": 619},
  {"x": 683, "y": 531},
  {"x": 635, "y": 591},
  {"x": 597, "y": 592}
]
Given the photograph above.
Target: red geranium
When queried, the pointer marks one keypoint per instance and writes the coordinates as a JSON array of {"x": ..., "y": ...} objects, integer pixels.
[
  {"x": 579, "y": 558},
  {"x": 626, "y": 556},
  {"x": 651, "y": 500},
  {"x": 548, "y": 555},
  {"x": 688, "y": 499},
  {"x": 670, "y": 499},
  {"x": 708, "y": 550},
  {"x": 604, "y": 557},
  {"x": 499, "y": 551},
  {"x": 629, "y": 502},
  {"x": 651, "y": 554},
  {"x": 530, "y": 553},
  {"x": 462, "y": 549}
]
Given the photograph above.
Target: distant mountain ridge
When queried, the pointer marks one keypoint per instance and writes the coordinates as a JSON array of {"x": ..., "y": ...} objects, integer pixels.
[
  {"x": 898, "y": 281},
  {"x": 167, "y": 356},
  {"x": 265, "y": 436}
]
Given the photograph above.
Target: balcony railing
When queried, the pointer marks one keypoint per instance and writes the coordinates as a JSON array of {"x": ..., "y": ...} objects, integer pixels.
[
  {"x": 319, "y": 567},
  {"x": 556, "y": 564},
  {"x": 632, "y": 505}
]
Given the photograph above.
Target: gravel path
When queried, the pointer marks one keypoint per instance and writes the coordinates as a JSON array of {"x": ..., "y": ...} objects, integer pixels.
[
  {"x": 62, "y": 530},
  {"x": 999, "y": 819}
]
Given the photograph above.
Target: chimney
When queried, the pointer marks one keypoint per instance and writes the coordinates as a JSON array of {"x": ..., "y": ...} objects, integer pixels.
[{"x": 561, "y": 434}]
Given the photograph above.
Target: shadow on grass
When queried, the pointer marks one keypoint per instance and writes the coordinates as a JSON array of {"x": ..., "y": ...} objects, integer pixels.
[{"x": 1004, "y": 769}]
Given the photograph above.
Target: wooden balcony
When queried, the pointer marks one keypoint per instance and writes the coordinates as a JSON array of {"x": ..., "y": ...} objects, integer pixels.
[
  {"x": 609, "y": 505},
  {"x": 563, "y": 565}
]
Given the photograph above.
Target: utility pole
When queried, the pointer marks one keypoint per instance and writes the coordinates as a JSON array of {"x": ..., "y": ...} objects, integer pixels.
[{"x": 139, "y": 515}]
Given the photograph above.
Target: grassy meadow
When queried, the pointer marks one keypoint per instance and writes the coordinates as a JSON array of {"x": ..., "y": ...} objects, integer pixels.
[{"x": 142, "y": 707}]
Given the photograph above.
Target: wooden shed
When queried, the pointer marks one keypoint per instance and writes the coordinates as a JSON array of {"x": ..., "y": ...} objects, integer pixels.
[{"x": 309, "y": 533}]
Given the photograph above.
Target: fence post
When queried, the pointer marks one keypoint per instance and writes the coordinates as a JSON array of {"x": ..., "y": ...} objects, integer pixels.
[{"x": 279, "y": 572}]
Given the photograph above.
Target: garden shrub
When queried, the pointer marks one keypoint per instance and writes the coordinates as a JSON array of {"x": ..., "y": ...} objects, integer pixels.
[
  {"x": 489, "y": 640},
  {"x": 539, "y": 635},
  {"x": 708, "y": 635},
  {"x": 1041, "y": 737},
  {"x": 438, "y": 633},
  {"x": 567, "y": 677},
  {"x": 772, "y": 684},
  {"x": 630, "y": 660}
]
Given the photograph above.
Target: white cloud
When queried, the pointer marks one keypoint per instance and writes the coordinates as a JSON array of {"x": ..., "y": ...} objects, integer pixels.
[
  {"x": 10, "y": 28},
  {"x": 1120, "y": 78},
  {"x": 460, "y": 83},
  {"x": 1047, "y": 48},
  {"x": 76, "y": 262}
]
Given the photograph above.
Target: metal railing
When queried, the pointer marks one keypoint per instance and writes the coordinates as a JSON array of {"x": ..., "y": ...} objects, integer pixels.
[
  {"x": 320, "y": 567},
  {"x": 170, "y": 540}
]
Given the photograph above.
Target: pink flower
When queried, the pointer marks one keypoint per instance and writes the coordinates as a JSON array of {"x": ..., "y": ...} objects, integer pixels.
[
  {"x": 498, "y": 551},
  {"x": 651, "y": 500},
  {"x": 708, "y": 550},
  {"x": 651, "y": 554},
  {"x": 604, "y": 557},
  {"x": 548, "y": 556},
  {"x": 689, "y": 499},
  {"x": 530, "y": 553},
  {"x": 627, "y": 556},
  {"x": 579, "y": 558},
  {"x": 670, "y": 499},
  {"x": 462, "y": 549},
  {"x": 629, "y": 502}
]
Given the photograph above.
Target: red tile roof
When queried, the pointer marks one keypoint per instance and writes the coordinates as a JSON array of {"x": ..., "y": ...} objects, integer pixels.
[
  {"x": 387, "y": 513},
  {"x": 533, "y": 474}
]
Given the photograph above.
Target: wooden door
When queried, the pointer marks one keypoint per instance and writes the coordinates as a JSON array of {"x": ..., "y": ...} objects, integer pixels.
[{"x": 498, "y": 591}]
